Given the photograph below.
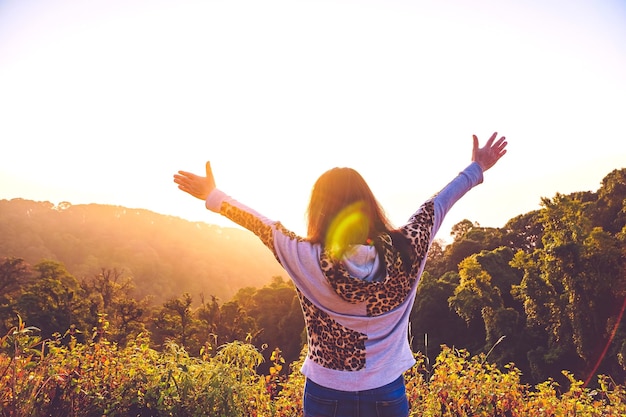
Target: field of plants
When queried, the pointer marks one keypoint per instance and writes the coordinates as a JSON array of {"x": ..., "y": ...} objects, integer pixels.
[{"x": 50, "y": 378}]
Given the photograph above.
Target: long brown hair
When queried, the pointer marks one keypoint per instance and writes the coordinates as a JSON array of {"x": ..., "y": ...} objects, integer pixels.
[{"x": 341, "y": 195}]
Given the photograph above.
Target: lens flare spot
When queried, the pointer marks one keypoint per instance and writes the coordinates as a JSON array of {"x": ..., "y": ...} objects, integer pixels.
[{"x": 349, "y": 227}]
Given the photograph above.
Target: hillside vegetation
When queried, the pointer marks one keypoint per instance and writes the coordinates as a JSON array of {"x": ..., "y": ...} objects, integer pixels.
[
  {"x": 165, "y": 255},
  {"x": 544, "y": 295}
]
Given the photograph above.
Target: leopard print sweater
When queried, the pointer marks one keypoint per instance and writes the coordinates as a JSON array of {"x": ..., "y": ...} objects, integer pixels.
[{"x": 356, "y": 329}]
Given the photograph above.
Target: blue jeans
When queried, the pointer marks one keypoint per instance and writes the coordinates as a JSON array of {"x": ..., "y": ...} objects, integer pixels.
[{"x": 387, "y": 401}]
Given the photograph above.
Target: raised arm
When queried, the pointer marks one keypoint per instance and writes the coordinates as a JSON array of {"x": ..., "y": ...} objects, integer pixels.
[{"x": 488, "y": 155}]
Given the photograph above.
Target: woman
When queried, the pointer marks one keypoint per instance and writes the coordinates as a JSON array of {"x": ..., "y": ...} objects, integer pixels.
[{"x": 356, "y": 278}]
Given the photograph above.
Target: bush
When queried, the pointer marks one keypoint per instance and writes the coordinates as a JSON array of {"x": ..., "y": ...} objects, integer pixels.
[
  {"x": 49, "y": 378},
  {"x": 463, "y": 386},
  {"x": 98, "y": 379}
]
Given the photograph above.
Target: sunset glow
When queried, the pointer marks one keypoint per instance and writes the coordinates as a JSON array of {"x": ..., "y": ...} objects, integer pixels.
[{"x": 103, "y": 101}]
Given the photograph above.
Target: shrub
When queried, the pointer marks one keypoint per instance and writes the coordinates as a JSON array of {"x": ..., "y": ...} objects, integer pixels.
[
  {"x": 98, "y": 379},
  {"x": 49, "y": 378}
]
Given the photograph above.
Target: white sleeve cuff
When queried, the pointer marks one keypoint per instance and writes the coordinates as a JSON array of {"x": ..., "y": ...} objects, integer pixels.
[{"x": 214, "y": 200}]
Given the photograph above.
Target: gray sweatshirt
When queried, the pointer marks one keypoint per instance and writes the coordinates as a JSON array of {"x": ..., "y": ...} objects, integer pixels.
[{"x": 356, "y": 310}]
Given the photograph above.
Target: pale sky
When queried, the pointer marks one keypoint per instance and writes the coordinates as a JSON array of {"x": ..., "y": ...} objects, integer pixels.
[{"x": 102, "y": 101}]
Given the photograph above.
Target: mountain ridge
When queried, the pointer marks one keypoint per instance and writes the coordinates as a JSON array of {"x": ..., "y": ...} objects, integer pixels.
[{"x": 165, "y": 255}]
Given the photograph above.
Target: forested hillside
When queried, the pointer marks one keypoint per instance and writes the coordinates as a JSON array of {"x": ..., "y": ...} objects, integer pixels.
[
  {"x": 165, "y": 255},
  {"x": 547, "y": 291}
]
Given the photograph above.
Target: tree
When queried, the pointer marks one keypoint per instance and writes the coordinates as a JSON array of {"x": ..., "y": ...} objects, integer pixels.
[
  {"x": 474, "y": 291},
  {"x": 459, "y": 230},
  {"x": 470, "y": 239},
  {"x": 523, "y": 232},
  {"x": 436, "y": 263},
  {"x": 109, "y": 294},
  {"x": 610, "y": 210},
  {"x": 14, "y": 274},
  {"x": 500, "y": 323},
  {"x": 569, "y": 289},
  {"x": 108, "y": 284},
  {"x": 128, "y": 318},
  {"x": 503, "y": 276},
  {"x": 209, "y": 316},
  {"x": 235, "y": 324},
  {"x": 54, "y": 302},
  {"x": 433, "y": 323},
  {"x": 175, "y": 321},
  {"x": 279, "y": 318},
  {"x": 473, "y": 294},
  {"x": 601, "y": 292}
]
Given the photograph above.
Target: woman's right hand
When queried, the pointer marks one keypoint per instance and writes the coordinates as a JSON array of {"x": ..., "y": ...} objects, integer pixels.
[{"x": 196, "y": 185}]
